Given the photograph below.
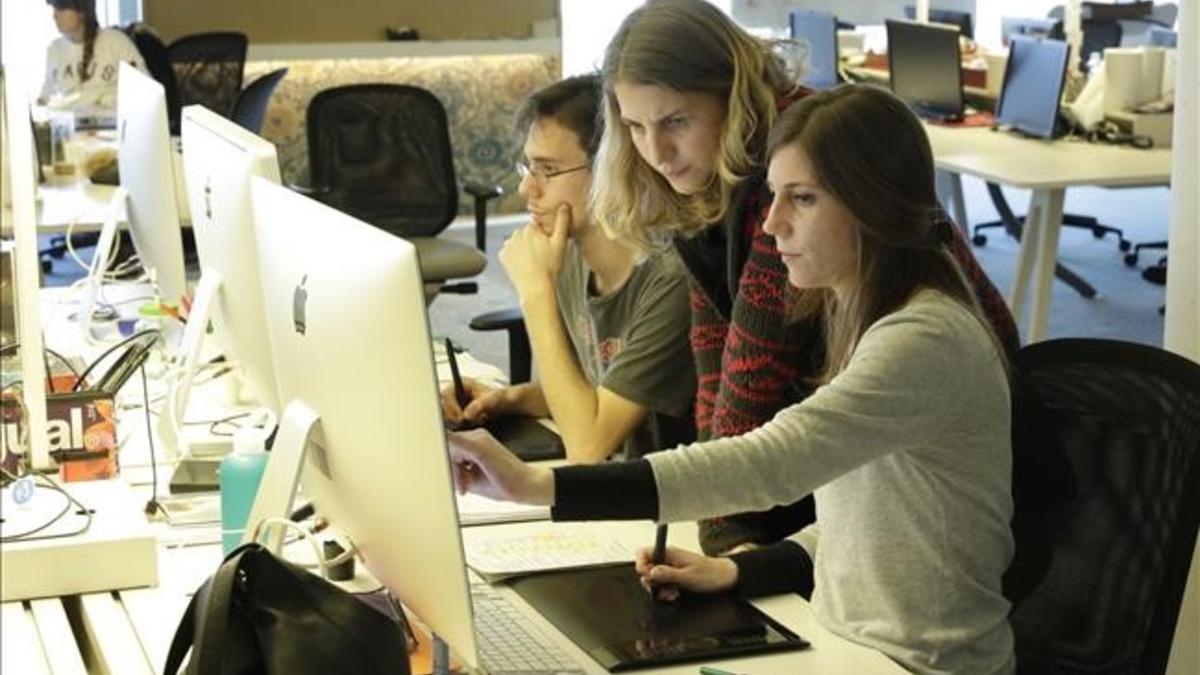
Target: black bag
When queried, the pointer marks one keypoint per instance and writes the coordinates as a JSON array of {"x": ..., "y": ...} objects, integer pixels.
[{"x": 258, "y": 614}]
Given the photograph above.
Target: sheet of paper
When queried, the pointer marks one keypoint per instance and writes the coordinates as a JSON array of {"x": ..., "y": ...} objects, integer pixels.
[
  {"x": 474, "y": 509},
  {"x": 510, "y": 555}
]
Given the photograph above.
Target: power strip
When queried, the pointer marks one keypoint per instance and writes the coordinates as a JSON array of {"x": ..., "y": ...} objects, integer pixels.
[{"x": 117, "y": 551}]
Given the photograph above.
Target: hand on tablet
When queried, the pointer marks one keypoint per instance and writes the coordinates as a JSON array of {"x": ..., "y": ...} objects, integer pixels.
[{"x": 685, "y": 570}]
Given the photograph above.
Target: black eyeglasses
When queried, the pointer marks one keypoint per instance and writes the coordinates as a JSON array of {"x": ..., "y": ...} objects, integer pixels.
[{"x": 524, "y": 170}]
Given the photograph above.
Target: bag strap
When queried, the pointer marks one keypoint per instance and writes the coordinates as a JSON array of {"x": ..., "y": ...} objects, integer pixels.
[
  {"x": 184, "y": 636},
  {"x": 215, "y": 624}
]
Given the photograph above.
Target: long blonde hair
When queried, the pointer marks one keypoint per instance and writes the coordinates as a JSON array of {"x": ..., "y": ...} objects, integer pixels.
[
  {"x": 871, "y": 153},
  {"x": 688, "y": 46}
]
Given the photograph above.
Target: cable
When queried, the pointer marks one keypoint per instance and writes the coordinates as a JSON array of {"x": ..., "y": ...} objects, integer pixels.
[
  {"x": 12, "y": 346},
  {"x": 152, "y": 506},
  {"x": 87, "y": 371},
  {"x": 71, "y": 500}
]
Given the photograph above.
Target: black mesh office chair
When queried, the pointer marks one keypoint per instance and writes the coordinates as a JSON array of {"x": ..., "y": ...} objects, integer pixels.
[
  {"x": 208, "y": 68},
  {"x": 381, "y": 152},
  {"x": 1103, "y": 557},
  {"x": 250, "y": 107},
  {"x": 158, "y": 64}
]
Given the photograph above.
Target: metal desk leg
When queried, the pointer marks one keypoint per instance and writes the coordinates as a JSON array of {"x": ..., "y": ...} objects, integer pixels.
[
  {"x": 1026, "y": 256},
  {"x": 949, "y": 188},
  {"x": 1050, "y": 214}
]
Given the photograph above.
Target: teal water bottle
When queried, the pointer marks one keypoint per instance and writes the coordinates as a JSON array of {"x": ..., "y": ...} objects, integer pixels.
[{"x": 239, "y": 476}]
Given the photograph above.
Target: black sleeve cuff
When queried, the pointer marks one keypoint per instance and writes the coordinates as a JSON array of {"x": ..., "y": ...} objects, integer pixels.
[
  {"x": 782, "y": 567},
  {"x": 610, "y": 491}
]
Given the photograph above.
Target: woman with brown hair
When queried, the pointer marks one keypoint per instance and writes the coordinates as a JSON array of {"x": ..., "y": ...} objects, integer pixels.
[
  {"x": 81, "y": 65},
  {"x": 905, "y": 442},
  {"x": 689, "y": 100}
]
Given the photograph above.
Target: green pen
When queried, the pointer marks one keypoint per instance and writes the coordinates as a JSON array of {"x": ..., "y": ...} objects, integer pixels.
[{"x": 709, "y": 670}]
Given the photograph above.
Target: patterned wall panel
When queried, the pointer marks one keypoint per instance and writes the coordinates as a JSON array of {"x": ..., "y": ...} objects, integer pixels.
[{"x": 481, "y": 95}]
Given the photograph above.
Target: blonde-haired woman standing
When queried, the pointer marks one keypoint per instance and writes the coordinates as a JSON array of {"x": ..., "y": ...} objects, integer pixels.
[{"x": 689, "y": 100}]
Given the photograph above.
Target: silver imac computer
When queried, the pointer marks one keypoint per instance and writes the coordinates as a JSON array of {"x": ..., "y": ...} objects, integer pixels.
[
  {"x": 20, "y": 179},
  {"x": 219, "y": 157},
  {"x": 350, "y": 338},
  {"x": 147, "y": 173}
]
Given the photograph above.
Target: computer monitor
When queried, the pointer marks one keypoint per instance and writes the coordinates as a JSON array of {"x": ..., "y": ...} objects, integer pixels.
[
  {"x": 147, "y": 173},
  {"x": 950, "y": 17},
  {"x": 923, "y": 64},
  {"x": 816, "y": 32},
  {"x": 17, "y": 137},
  {"x": 1011, "y": 25},
  {"x": 219, "y": 157},
  {"x": 1033, "y": 82},
  {"x": 349, "y": 336}
]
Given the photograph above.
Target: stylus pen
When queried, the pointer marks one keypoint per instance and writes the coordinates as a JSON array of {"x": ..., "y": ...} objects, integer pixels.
[
  {"x": 460, "y": 392},
  {"x": 660, "y": 554}
]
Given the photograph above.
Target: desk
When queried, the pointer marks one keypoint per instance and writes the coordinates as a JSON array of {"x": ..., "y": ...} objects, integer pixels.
[
  {"x": 1047, "y": 168},
  {"x": 130, "y": 631}
]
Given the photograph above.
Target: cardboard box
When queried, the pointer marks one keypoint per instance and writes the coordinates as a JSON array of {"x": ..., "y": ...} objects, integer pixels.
[{"x": 81, "y": 431}]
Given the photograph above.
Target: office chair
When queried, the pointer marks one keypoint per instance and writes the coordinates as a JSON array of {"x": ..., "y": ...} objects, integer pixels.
[
  {"x": 250, "y": 107},
  {"x": 208, "y": 68},
  {"x": 1106, "y": 473},
  {"x": 381, "y": 152},
  {"x": 520, "y": 356}
]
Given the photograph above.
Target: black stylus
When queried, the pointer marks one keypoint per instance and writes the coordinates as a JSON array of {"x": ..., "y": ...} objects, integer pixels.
[
  {"x": 460, "y": 392},
  {"x": 659, "y": 557}
]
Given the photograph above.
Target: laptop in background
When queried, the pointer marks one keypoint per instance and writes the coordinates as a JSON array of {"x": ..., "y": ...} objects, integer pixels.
[
  {"x": 924, "y": 68},
  {"x": 816, "y": 31},
  {"x": 1033, "y": 83}
]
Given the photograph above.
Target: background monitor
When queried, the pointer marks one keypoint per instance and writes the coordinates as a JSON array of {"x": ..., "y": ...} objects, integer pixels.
[
  {"x": 1033, "y": 82},
  {"x": 1011, "y": 25},
  {"x": 923, "y": 63},
  {"x": 148, "y": 174},
  {"x": 349, "y": 335},
  {"x": 219, "y": 157},
  {"x": 962, "y": 20},
  {"x": 816, "y": 31}
]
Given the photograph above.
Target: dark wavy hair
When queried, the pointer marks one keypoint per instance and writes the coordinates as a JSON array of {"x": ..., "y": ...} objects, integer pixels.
[
  {"x": 574, "y": 103},
  {"x": 87, "y": 11}
]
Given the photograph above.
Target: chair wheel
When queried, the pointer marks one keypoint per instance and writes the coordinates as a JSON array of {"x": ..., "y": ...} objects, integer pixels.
[
  {"x": 1097, "y": 233},
  {"x": 1124, "y": 245},
  {"x": 1131, "y": 259},
  {"x": 47, "y": 267},
  {"x": 979, "y": 240}
]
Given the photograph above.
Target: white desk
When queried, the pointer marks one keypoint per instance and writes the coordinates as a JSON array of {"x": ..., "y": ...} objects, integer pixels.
[
  {"x": 1047, "y": 168},
  {"x": 130, "y": 631}
]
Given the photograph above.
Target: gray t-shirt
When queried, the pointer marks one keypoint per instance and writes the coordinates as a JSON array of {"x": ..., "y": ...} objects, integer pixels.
[
  {"x": 909, "y": 453},
  {"x": 634, "y": 342}
]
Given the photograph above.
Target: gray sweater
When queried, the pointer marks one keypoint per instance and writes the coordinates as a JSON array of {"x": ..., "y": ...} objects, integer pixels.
[{"x": 908, "y": 453}]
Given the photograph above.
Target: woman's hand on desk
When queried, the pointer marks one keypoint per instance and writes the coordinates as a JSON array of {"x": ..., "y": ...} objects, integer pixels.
[
  {"x": 685, "y": 570},
  {"x": 483, "y": 466}
]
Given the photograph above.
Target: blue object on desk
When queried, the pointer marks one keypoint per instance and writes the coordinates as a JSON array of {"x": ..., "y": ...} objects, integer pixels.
[{"x": 239, "y": 476}]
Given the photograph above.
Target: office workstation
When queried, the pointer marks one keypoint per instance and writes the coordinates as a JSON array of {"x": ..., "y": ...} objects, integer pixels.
[{"x": 315, "y": 328}]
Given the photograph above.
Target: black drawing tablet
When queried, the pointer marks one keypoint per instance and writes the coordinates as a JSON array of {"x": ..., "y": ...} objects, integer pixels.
[
  {"x": 526, "y": 438},
  {"x": 607, "y": 614}
]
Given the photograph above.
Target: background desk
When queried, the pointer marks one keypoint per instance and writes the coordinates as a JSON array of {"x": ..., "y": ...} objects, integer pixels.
[{"x": 1047, "y": 168}]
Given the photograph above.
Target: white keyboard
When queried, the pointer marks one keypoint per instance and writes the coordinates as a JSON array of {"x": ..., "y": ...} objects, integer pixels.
[{"x": 508, "y": 645}]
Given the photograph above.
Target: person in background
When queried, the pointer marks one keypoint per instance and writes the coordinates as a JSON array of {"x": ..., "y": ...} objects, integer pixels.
[
  {"x": 81, "y": 64},
  {"x": 689, "y": 99},
  {"x": 905, "y": 443},
  {"x": 607, "y": 324}
]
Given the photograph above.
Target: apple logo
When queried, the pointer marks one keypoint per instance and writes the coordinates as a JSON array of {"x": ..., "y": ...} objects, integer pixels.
[{"x": 299, "y": 299}]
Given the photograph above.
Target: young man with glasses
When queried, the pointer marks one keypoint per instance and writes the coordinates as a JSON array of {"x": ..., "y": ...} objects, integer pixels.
[{"x": 607, "y": 325}]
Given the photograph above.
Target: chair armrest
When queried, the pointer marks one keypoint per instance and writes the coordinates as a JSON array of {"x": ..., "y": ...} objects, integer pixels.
[
  {"x": 481, "y": 191},
  {"x": 500, "y": 319},
  {"x": 482, "y": 194},
  {"x": 520, "y": 360}
]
